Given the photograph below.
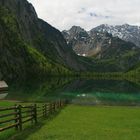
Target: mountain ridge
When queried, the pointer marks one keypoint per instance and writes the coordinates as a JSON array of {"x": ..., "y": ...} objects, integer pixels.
[
  {"x": 126, "y": 32},
  {"x": 108, "y": 52},
  {"x": 92, "y": 42}
]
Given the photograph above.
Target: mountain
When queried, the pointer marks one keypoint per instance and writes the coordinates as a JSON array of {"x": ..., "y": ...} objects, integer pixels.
[
  {"x": 108, "y": 53},
  {"x": 96, "y": 43},
  {"x": 77, "y": 38},
  {"x": 30, "y": 46},
  {"x": 125, "y": 32}
]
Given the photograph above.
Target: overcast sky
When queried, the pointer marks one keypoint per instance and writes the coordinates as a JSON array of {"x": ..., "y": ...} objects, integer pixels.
[{"x": 63, "y": 14}]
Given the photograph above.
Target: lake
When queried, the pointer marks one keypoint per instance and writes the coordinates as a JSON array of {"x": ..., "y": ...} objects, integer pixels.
[{"x": 77, "y": 91}]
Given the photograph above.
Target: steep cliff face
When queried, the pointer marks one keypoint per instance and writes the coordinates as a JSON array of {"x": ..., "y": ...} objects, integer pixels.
[
  {"x": 25, "y": 15},
  {"x": 18, "y": 59},
  {"x": 32, "y": 30},
  {"x": 30, "y": 46}
]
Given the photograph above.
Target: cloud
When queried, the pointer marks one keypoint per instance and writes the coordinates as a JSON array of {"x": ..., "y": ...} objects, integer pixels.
[
  {"x": 87, "y": 13},
  {"x": 95, "y": 15},
  {"x": 82, "y": 10}
]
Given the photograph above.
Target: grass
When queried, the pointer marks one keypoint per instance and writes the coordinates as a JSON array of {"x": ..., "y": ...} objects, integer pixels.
[
  {"x": 9, "y": 133},
  {"x": 6, "y": 103},
  {"x": 5, "y": 135},
  {"x": 88, "y": 123}
]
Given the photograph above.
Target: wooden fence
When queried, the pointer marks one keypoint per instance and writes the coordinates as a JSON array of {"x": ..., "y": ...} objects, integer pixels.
[{"x": 16, "y": 116}]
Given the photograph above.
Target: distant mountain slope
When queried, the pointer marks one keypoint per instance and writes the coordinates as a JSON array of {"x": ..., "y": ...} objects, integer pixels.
[{"x": 125, "y": 32}]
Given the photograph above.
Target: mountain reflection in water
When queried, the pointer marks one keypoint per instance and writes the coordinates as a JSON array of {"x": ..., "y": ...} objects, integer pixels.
[{"x": 78, "y": 91}]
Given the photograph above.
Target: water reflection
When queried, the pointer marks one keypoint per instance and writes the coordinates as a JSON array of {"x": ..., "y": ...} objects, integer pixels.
[{"x": 79, "y": 91}]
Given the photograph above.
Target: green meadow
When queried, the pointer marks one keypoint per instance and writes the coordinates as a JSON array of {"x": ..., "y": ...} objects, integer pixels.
[{"x": 76, "y": 122}]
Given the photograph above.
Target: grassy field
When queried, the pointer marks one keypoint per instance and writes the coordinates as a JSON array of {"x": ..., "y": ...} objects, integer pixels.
[
  {"x": 6, "y": 103},
  {"x": 11, "y": 132},
  {"x": 5, "y": 135},
  {"x": 88, "y": 123}
]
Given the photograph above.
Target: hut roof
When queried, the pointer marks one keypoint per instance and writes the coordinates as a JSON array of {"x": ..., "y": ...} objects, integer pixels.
[{"x": 3, "y": 84}]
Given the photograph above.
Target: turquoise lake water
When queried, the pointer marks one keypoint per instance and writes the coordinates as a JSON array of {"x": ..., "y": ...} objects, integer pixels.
[{"x": 77, "y": 91}]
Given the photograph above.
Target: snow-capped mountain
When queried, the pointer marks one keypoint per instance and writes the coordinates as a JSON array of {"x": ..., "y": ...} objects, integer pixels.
[
  {"x": 108, "y": 53},
  {"x": 125, "y": 32},
  {"x": 97, "y": 43}
]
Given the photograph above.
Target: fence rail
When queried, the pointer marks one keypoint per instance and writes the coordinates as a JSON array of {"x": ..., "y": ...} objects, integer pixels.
[{"x": 19, "y": 114}]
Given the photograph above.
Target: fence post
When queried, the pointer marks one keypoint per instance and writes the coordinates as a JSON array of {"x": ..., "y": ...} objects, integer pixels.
[
  {"x": 16, "y": 117},
  {"x": 47, "y": 109},
  {"x": 32, "y": 113},
  {"x": 62, "y": 103},
  {"x": 35, "y": 113},
  {"x": 57, "y": 104},
  {"x": 51, "y": 108},
  {"x": 19, "y": 117},
  {"x": 43, "y": 109}
]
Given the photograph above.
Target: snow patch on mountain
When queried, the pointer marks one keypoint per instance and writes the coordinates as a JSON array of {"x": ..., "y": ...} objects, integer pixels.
[{"x": 126, "y": 32}]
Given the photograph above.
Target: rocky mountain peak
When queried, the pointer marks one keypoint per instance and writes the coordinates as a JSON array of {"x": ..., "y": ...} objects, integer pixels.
[
  {"x": 75, "y": 33},
  {"x": 125, "y": 32},
  {"x": 76, "y": 29},
  {"x": 98, "y": 42}
]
